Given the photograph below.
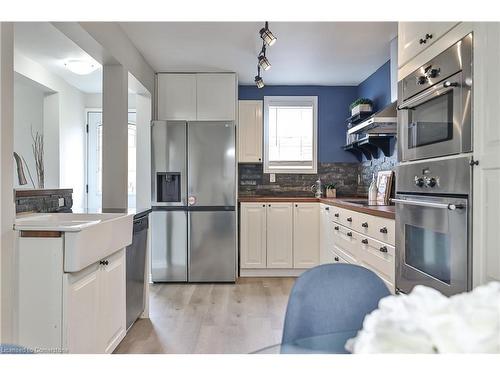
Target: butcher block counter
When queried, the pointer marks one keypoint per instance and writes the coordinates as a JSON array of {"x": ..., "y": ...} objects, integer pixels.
[{"x": 350, "y": 203}]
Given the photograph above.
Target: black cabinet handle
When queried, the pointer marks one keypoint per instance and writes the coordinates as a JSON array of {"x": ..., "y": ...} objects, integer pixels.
[
  {"x": 365, "y": 241},
  {"x": 336, "y": 215},
  {"x": 269, "y": 205},
  {"x": 263, "y": 205},
  {"x": 383, "y": 230},
  {"x": 349, "y": 219},
  {"x": 104, "y": 262},
  {"x": 327, "y": 208},
  {"x": 296, "y": 205},
  {"x": 364, "y": 225},
  {"x": 336, "y": 228},
  {"x": 349, "y": 234},
  {"x": 383, "y": 249},
  {"x": 336, "y": 259}
]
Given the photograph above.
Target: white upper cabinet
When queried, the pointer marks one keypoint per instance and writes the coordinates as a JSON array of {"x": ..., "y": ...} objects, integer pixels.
[
  {"x": 176, "y": 96},
  {"x": 305, "y": 235},
  {"x": 414, "y": 37},
  {"x": 279, "y": 235},
  {"x": 216, "y": 96},
  {"x": 253, "y": 235},
  {"x": 250, "y": 127}
]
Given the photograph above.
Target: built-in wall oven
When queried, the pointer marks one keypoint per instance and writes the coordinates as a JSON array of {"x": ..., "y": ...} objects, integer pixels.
[
  {"x": 434, "y": 111},
  {"x": 433, "y": 225}
]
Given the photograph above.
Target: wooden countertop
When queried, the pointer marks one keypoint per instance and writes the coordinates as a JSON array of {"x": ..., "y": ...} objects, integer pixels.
[{"x": 387, "y": 212}]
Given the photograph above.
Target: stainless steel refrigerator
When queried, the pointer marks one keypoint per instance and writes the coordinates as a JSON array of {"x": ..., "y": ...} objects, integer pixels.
[{"x": 193, "y": 223}]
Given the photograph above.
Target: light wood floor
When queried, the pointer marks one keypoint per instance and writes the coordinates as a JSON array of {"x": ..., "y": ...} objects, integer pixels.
[{"x": 211, "y": 318}]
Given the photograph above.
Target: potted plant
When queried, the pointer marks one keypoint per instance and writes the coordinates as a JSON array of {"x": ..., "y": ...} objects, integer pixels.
[
  {"x": 361, "y": 105},
  {"x": 331, "y": 191}
]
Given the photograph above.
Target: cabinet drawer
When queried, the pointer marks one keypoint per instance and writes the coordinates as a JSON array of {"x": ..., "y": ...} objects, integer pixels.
[
  {"x": 346, "y": 241},
  {"x": 336, "y": 258},
  {"x": 381, "y": 229},
  {"x": 378, "y": 256},
  {"x": 345, "y": 217}
]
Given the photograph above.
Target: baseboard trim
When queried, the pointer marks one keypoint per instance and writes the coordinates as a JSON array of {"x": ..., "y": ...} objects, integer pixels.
[{"x": 271, "y": 272}]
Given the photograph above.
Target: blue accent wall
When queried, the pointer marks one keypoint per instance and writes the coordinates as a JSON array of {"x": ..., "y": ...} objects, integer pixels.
[
  {"x": 333, "y": 110},
  {"x": 377, "y": 87}
]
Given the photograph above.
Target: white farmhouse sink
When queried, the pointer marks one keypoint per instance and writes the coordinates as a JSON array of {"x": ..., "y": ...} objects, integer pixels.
[{"x": 88, "y": 238}]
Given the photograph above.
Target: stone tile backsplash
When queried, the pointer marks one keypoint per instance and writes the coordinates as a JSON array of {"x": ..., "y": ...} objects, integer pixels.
[{"x": 44, "y": 202}]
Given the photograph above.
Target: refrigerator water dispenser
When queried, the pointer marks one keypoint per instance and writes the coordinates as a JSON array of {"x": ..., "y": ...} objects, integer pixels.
[{"x": 168, "y": 187}]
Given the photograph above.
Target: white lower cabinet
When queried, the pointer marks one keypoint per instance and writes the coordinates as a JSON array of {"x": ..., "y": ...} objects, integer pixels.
[
  {"x": 79, "y": 313},
  {"x": 253, "y": 239},
  {"x": 305, "y": 235},
  {"x": 279, "y": 235}
]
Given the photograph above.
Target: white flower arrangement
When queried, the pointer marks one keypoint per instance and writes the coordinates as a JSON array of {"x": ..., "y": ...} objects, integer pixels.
[{"x": 425, "y": 321}]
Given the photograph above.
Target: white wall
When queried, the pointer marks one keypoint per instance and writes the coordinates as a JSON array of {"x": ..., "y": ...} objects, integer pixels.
[
  {"x": 69, "y": 150},
  {"x": 28, "y": 118},
  {"x": 143, "y": 197}
]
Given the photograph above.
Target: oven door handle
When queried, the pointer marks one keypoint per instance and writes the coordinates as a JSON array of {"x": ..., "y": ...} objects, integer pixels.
[
  {"x": 445, "y": 86},
  {"x": 449, "y": 206}
]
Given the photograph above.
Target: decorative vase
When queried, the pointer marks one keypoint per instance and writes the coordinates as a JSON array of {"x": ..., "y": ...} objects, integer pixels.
[{"x": 331, "y": 193}]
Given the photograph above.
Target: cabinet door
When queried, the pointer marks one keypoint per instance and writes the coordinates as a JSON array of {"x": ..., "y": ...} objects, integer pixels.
[
  {"x": 112, "y": 302},
  {"x": 82, "y": 311},
  {"x": 176, "y": 98},
  {"x": 486, "y": 250},
  {"x": 305, "y": 235},
  {"x": 216, "y": 96},
  {"x": 253, "y": 235},
  {"x": 250, "y": 128},
  {"x": 279, "y": 235},
  {"x": 412, "y": 37},
  {"x": 325, "y": 235}
]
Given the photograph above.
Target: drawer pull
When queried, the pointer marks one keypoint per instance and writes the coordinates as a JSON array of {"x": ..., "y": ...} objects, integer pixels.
[
  {"x": 364, "y": 225},
  {"x": 336, "y": 259},
  {"x": 349, "y": 219},
  {"x": 383, "y": 230},
  {"x": 327, "y": 208},
  {"x": 349, "y": 234},
  {"x": 336, "y": 228},
  {"x": 383, "y": 249},
  {"x": 365, "y": 241},
  {"x": 336, "y": 215},
  {"x": 104, "y": 262}
]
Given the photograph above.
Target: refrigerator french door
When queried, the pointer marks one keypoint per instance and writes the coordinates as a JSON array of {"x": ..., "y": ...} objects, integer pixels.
[{"x": 193, "y": 195}]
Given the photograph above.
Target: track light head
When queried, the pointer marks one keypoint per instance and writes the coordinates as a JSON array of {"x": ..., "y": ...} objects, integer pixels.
[
  {"x": 259, "y": 82},
  {"x": 264, "y": 62},
  {"x": 267, "y": 36}
]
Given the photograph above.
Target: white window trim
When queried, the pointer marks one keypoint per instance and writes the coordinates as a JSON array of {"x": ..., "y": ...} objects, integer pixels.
[{"x": 291, "y": 100}]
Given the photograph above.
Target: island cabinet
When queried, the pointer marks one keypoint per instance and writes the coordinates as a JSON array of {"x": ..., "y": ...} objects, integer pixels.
[
  {"x": 278, "y": 239},
  {"x": 61, "y": 312},
  {"x": 353, "y": 237}
]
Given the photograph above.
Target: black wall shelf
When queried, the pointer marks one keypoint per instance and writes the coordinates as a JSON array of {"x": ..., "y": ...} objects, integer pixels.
[{"x": 370, "y": 146}]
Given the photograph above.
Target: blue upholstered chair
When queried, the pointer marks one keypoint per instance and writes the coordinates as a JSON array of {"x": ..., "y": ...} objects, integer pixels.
[
  {"x": 331, "y": 298},
  {"x": 14, "y": 349}
]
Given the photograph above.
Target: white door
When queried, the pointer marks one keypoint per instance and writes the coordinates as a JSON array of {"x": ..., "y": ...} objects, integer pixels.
[
  {"x": 325, "y": 235},
  {"x": 176, "y": 96},
  {"x": 486, "y": 175},
  {"x": 253, "y": 235},
  {"x": 305, "y": 235},
  {"x": 216, "y": 96},
  {"x": 279, "y": 235},
  {"x": 94, "y": 159},
  {"x": 82, "y": 311},
  {"x": 414, "y": 37},
  {"x": 112, "y": 303},
  {"x": 250, "y": 128}
]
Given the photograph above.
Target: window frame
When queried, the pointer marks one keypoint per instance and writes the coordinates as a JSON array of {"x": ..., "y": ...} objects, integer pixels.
[{"x": 292, "y": 101}]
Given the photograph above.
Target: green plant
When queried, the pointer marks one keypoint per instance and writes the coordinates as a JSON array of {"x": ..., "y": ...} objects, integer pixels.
[
  {"x": 331, "y": 186},
  {"x": 360, "y": 101}
]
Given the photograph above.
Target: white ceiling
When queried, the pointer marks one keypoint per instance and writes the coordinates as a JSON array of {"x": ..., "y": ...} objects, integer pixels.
[
  {"x": 306, "y": 53},
  {"x": 44, "y": 44}
]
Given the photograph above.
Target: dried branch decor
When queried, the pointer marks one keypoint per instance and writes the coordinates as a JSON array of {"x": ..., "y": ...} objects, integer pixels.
[{"x": 38, "y": 155}]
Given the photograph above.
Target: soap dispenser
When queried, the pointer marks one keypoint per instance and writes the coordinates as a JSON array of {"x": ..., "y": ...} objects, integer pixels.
[{"x": 373, "y": 192}]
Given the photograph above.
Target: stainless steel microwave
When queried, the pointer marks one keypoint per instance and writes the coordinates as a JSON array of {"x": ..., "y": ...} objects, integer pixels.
[{"x": 434, "y": 109}]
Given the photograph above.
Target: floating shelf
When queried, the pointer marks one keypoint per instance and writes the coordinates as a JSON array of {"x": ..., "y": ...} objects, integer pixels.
[
  {"x": 370, "y": 146},
  {"x": 359, "y": 117}
]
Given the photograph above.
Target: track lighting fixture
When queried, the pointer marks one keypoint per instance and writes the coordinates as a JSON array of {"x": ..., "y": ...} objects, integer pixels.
[
  {"x": 267, "y": 36},
  {"x": 258, "y": 79},
  {"x": 263, "y": 61}
]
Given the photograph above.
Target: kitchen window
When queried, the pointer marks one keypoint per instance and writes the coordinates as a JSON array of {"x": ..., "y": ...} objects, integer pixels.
[{"x": 290, "y": 134}]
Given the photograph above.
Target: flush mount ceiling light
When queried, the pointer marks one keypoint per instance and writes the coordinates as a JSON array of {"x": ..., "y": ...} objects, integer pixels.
[
  {"x": 81, "y": 67},
  {"x": 267, "y": 36},
  {"x": 258, "y": 79}
]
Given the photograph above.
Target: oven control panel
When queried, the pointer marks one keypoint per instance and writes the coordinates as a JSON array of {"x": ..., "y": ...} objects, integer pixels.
[{"x": 425, "y": 181}]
